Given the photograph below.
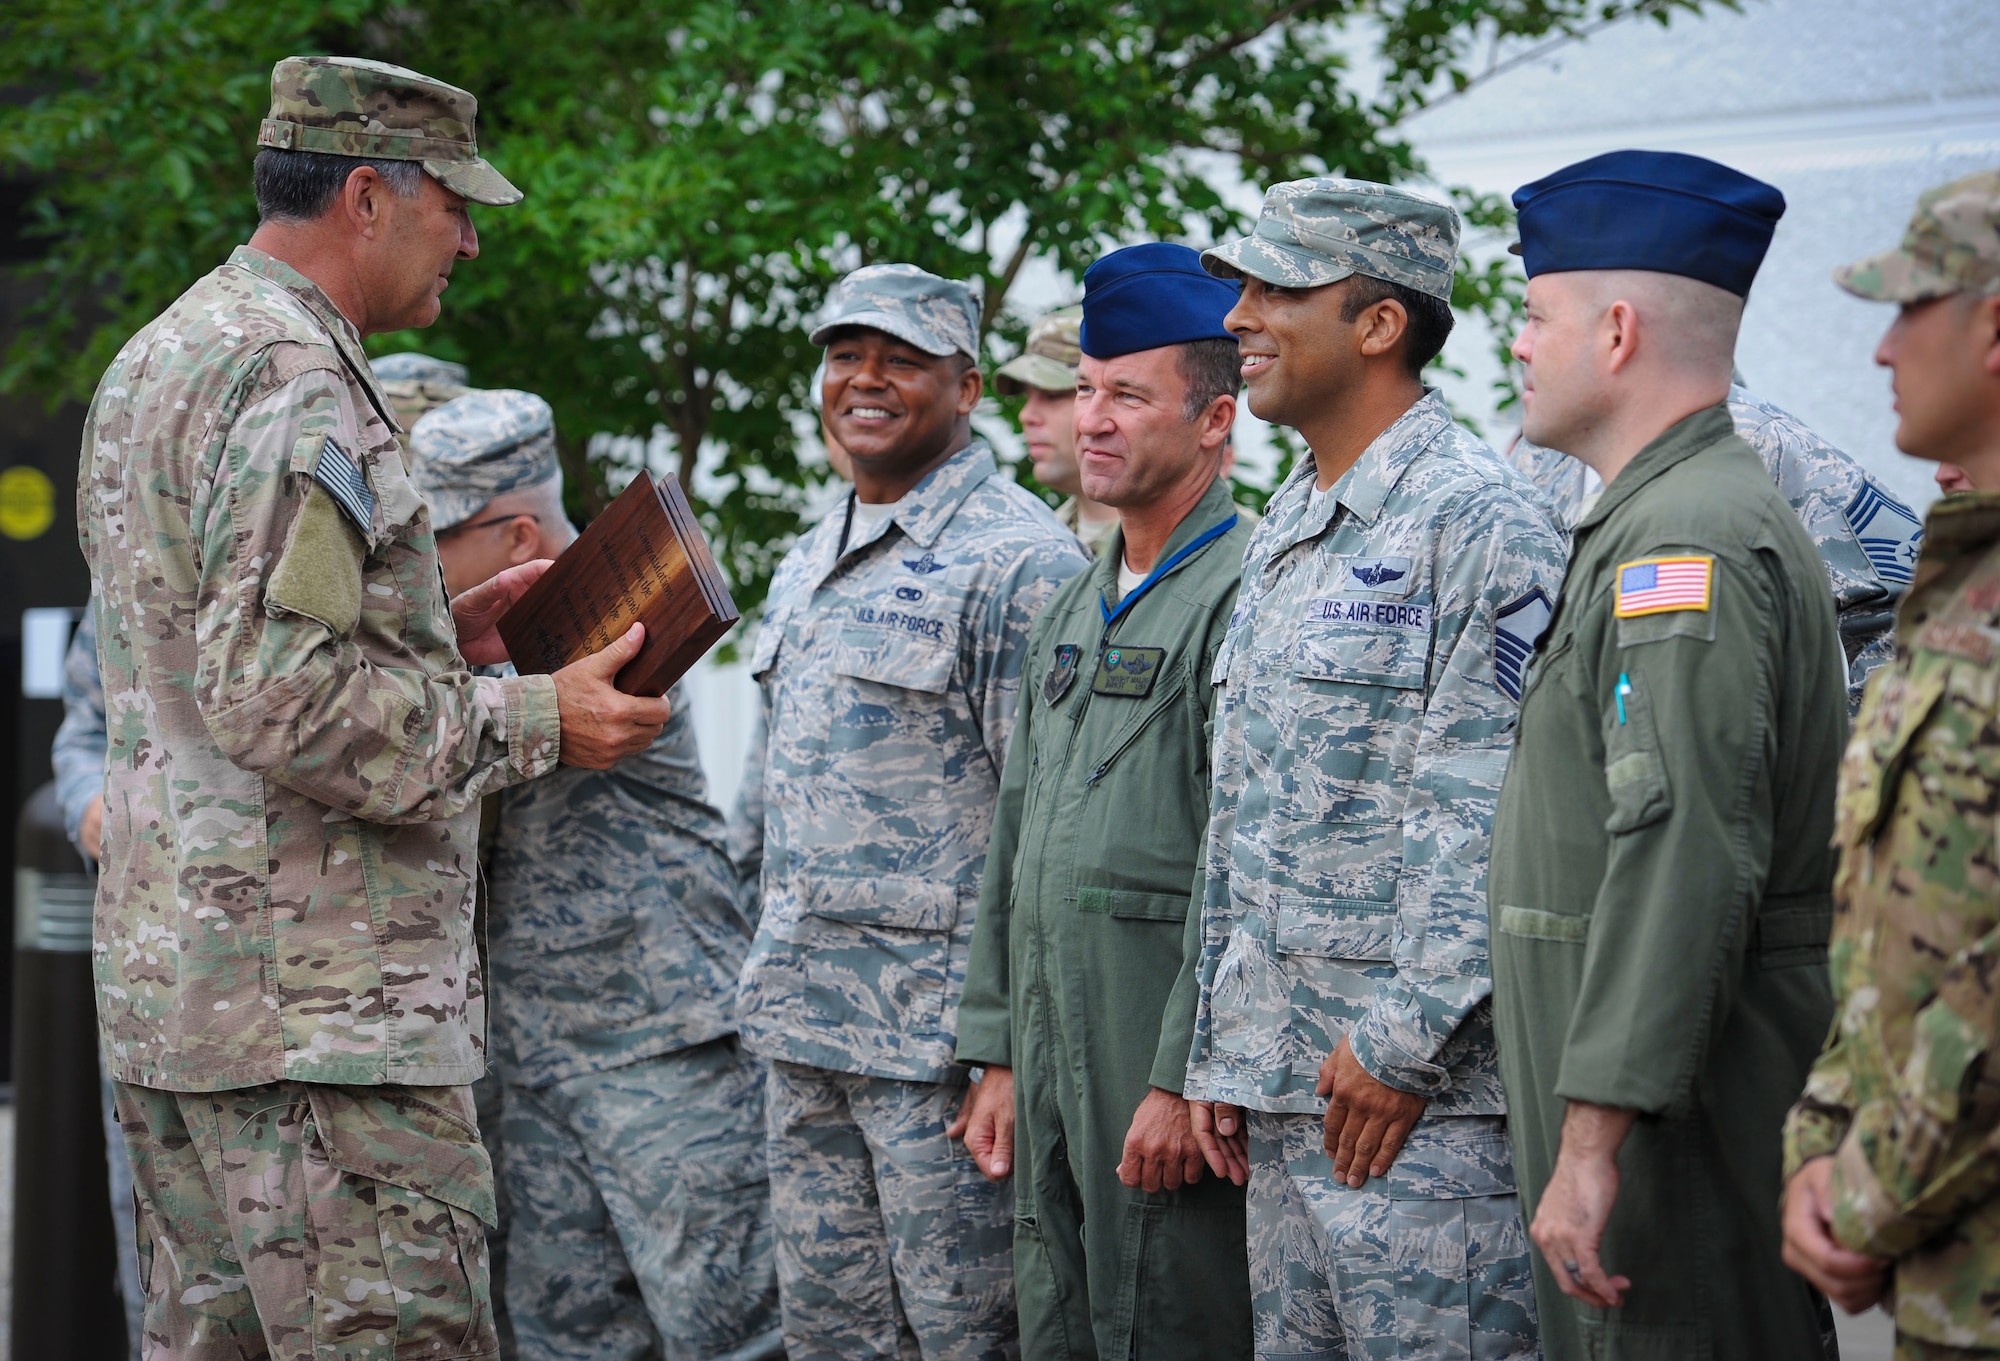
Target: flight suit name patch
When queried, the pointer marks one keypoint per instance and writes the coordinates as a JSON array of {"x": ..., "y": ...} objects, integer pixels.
[
  {"x": 1375, "y": 613},
  {"x": 1128, "y": 672}
]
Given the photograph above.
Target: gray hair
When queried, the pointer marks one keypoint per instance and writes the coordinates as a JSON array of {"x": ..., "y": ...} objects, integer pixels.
[{"x": 296, "y": 187}]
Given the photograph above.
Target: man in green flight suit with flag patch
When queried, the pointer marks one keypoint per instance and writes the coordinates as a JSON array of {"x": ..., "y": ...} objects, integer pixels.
[
  {"x": 1660, "y": 868},
  {"x": 1080, "y": 990}
]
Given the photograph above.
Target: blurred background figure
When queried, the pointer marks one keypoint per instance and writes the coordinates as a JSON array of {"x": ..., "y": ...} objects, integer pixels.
[
  {"x": 631, "y": 1129},
  {"x": 1045, "y": 374}
]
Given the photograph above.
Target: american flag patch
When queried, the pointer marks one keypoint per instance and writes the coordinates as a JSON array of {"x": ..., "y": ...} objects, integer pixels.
[
  {"x": 343, "y": 481},
  {"x": 1659, "y": 585}
]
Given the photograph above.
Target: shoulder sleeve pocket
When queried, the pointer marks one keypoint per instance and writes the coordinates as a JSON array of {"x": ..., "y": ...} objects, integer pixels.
[
  {"x": 1635, "y": 776},
  {"x": 319, "y": 575}
]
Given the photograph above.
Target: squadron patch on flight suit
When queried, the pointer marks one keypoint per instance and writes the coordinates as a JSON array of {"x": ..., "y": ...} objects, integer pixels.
[
  {"x": 1128, "y": 672},
  {"x": 1062, "y": 674}
]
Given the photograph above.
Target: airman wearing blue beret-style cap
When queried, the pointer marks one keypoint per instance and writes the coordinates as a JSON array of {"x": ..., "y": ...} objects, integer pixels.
[
  {"x": 1367, "y": 688},
  {"x": 1101, "y": 812},
  {"x": 1660, "y": 865}
]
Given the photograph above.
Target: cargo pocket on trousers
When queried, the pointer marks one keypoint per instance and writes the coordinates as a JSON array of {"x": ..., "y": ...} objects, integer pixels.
[{"x": 397, "y": 1187}]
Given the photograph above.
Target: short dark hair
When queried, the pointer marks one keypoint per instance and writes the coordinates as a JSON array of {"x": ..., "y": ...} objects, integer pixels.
[
  {"x": 1430, "y": 318},
  {"x": 1211, "y": 369},
  {"x": 299, "y": 186}
]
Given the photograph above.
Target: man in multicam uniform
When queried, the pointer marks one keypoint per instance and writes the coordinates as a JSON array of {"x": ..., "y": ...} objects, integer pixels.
[
  {"x": 1892, "y": 1182},
  {"x": 1867, "y": 538},
  {"x": 1370, "y": 678},
  {"x": 890, "y": 666},
  {"x": 288, "y": 985},
  {"x": 1045, "y": 374},
  {"x": 633, "y": 1159}
]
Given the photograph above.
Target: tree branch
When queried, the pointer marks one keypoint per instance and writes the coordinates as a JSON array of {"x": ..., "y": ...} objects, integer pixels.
[
  {"x": 1251, "y": 32},
  {"x": 997, "y": 289}
]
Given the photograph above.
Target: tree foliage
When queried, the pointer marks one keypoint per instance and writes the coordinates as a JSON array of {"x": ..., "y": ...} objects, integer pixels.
[{"x": 698, "y": 172}]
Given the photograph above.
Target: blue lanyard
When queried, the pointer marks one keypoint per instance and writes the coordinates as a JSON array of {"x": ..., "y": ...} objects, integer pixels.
[{"x": 1112, "y": 616}]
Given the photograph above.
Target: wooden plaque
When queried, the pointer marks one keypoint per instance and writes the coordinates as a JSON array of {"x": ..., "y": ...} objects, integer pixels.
[{"x": 643, "y": 559}]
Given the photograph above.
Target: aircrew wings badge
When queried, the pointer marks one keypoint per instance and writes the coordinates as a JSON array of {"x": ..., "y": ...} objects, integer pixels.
[{"x": 1663, "y": 585}]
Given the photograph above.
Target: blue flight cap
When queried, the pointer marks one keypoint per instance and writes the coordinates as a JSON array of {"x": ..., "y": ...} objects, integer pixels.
[
  {"x": 1656, "y": 210},
  {"x": 1143, "y": 297}
]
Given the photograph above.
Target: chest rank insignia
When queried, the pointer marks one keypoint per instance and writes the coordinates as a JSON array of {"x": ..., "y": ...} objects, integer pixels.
[
  {"x": 1062, "y": 675},
  {"x": 1128, "y": 672},
  {"x": 925, "y": 565}
]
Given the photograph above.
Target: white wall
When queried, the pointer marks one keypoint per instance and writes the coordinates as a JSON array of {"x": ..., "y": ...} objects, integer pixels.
[{"x": 1851, "y": 107}]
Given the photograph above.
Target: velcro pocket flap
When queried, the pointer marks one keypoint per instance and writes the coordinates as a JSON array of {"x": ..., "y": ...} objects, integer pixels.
[
  {"x": 898, "y": 901},
  {"x": 1391, "y": 650},
  {"x": 320, "y": 572},
  {"x": 1335, "y": 928},
  {"x": 1536, "y": 924},
  {"x": 1132, "y": 904},
  {"x": 1898, "y": 703},
  {"x": 909, "y": 658},
  {"x": 423, "y": 1139}
]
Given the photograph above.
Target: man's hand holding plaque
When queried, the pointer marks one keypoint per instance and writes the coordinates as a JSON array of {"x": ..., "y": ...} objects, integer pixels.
[{"x": 602, "y": 725}]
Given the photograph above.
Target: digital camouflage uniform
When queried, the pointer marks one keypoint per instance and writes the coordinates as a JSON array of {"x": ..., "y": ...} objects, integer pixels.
[
  {"x": 1903, "y": 1096},
  {"x": 1370, "y": 679},
  {"x": 890, "y": 678},
  {"x": 632, "y": 1154},
  {"x": 1866, "y": 538},
  {"x": 1659, "y": 891},
  {"x": 288, "y": 985}
]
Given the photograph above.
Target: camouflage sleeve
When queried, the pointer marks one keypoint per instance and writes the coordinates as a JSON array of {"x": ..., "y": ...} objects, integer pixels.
[
  {"x": 746, "y": 816},
  {"x": 1691, "y": 826},
  {"x": 1177, "y": 1020},
  {"x": 999, "y": 646},
  {"x": 78, "y": 753},
  {"x": 1494, "y": 554},
  {"x": 1820, "y": 1120},
  {"x": 290, "y": 696},
  {"x": 985, "y": 1034}
]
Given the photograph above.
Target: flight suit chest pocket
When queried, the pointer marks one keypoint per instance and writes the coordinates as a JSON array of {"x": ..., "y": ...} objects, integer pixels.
[
  {"x": 1635, "y": 774},
  {"x": 890, "y": 715},
  {"x": 1896, "y": 710}
]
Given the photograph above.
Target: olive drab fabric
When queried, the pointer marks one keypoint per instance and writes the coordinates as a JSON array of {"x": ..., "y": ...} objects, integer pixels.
[
  {"x": 1085, "y": 914},
  {"x": 297, "y": 751},
  {"x": 1867, "y": 539},
  {"x": 1902, "y": 1095},
  {"x": 1659, "y": 890},
  {"x": 891, "y": 675}
]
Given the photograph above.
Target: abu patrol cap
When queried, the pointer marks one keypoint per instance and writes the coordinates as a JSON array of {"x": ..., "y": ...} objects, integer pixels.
[
  {"x": 1049, "y": 360},
  {"x": 1952, "y": 246},
  {"x": 1322, "y": 230},
  {"x": 479, "y": 446},
  {"x": 347, "y": 106},
  {"x": 938, "y": 316}
]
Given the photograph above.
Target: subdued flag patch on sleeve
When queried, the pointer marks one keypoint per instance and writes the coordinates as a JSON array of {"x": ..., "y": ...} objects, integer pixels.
[
  {"x": 1516, "y": 630},
  {"x": 344, "y": 482},
  {"x": 1888, "y": 531},
  {"x": 1661, "y": 585}
]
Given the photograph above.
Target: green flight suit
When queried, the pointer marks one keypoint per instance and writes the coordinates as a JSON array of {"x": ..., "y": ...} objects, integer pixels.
[
  {"x": 1660, "y": 892},
  {"x": 1081, "y": 976}
]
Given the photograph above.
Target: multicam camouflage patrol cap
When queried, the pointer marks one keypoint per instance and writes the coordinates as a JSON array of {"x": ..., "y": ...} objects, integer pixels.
[
  {"x": 1050, "y": 358},
  {"x": 351, "y": 107},
  {"x": 1952, "y": 246},
  {"x": 938, "y": 316},
  {"x": 1321, "y": 230},
  {"x": 479, "y": 446}
]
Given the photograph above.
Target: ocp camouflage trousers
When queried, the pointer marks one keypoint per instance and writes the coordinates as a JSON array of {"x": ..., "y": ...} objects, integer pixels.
[
  {"x": 642, "y": 1212},
  {"x": 892, "y": 1246},
  {"x": 1403, "y": 1265},
  {"x": 302, "y": 1222}
]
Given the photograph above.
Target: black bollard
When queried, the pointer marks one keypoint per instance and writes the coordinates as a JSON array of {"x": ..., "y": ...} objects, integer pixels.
[{"x": 66, "y": 1300}]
